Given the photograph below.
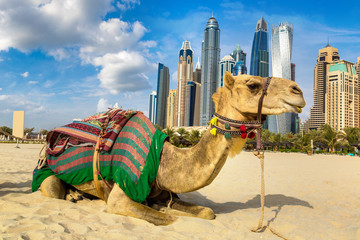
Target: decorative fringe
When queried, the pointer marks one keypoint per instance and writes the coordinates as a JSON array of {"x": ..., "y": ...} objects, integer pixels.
[
  {"x": 214, "y": 121},
  {"x": 213, "y": 131}
]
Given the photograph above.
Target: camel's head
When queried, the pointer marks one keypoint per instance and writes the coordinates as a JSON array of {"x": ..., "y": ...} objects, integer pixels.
[{"x": 239, "y": 98}]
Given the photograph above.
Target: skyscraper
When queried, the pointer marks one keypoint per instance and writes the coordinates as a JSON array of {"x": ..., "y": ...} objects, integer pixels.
[
  {"x": 259, "y": 64},
  {"x": 170, "y": 108},
  {"x": 152, "y": 107},
  {"x": 358, "y": 67},
  {"x": 210, "y": 56},
  {"x": 326, "y": 56},
  {"x": 185, "y": 74},
  {"x": 342, "y": 96},
  {"x": 226, "y": 64},
  {"x": 162, "y": 94},
  {"x": 281, "y": 48},
  {"x": 240, "y": 61},
  {"x": 192, "y": 99}
]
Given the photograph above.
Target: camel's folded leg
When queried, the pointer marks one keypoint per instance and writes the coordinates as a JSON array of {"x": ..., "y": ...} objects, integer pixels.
[
  {"x": 119, "y": 203},
  {"x": 196, "y": 210},
  {"x": 53, "y": 187}
]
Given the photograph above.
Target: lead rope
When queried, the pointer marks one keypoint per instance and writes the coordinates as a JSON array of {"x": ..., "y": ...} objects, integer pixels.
[{"x": 260, "y": 226}]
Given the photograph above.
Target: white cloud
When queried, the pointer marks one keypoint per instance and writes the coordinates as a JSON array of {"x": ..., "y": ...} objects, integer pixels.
[
  {"x": 67, "y": 28},
  {"x": 174, "y": 77},
  {"x": 127, "y": 4},
  {"x": 33, "y": 82},
  {"x": 102, "y": 105},
  {"x": 0, "y": 89},
  {"x": 124, "y": 71},
  {"x": 25, "y": 74}
]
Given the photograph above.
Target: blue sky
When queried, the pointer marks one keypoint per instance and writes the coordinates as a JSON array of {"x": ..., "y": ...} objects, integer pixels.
[{"x": 66, "y": 59}]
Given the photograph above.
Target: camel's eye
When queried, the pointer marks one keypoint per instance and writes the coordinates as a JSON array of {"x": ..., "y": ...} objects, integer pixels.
[{"x": 252, "y": 86}]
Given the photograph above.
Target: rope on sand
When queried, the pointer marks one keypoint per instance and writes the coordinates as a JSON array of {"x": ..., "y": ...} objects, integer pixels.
[{"x": 261, "y": 227}]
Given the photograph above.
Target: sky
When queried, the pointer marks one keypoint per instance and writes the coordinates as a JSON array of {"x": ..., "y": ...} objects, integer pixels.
[{"x": 67, "y": 59}]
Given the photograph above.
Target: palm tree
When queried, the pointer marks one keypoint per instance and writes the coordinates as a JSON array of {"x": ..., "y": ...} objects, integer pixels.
[
  {"x": 194, "y": 136},
  {"x": 352, "y": 135},
  {"x": 330, "y": 136}
]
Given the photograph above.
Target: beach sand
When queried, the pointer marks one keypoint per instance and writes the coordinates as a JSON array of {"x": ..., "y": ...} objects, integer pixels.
[{"x": 307, "y": 197}]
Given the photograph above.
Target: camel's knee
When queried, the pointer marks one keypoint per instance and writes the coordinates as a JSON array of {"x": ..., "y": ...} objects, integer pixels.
[{"x": 53, "y": 187}]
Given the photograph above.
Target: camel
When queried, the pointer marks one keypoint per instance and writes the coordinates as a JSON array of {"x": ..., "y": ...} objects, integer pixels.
[{"x": 185, "y": 170}]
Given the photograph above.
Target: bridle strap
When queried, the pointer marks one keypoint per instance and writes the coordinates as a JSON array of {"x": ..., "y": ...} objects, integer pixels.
[{"x": 261, "y": 100}]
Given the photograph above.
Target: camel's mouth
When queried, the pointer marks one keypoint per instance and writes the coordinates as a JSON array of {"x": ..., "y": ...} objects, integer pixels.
[{"x": 295, "y": 108}]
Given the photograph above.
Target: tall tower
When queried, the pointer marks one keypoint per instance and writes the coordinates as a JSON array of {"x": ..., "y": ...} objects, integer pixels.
[
  {"x": 259, "y": 65},
  {"x": 152, "y": 107},
  {"x": 342, "y": 96},
  {"x": 170, "y": 108},
  {"x": 210, "y": 57},
  {"x": 358, "y": 67},
  {"x": 192, "y": 99},
  {"x": 162, "y": 94},
  {"x": 226, "y": 64},
  {"x": 185, "y": 74},
  {"x": 240, "y": 61},
  {"x": 281, "y": 48},
  {"x": 326, "y": 56}
]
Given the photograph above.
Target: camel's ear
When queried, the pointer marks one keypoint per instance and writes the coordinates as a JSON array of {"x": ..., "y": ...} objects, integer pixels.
[{"x": 229, "y": 80}]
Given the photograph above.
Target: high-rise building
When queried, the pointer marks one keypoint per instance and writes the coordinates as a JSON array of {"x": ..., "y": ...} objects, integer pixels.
[
  {"x": 185, "y": 74},
  {"x": 358, "y": 67},
  {"x": 162, "y": 94},
  {"x": 192, "y": 100},
  {"x": 281, "y": 48},
  {"x": 240, "y": 61},
  {"x": 210, "y": 56},
  {"x": 170, "y": 108},
  {"x": 342, "y": 96},
  {"x": 326, "y": 56},
  {"x": 227, "y": 63},
  {"x": 197, "y": 80},
  {"x": 152, "y": 107},
  {"x": 259, "y": 64}
]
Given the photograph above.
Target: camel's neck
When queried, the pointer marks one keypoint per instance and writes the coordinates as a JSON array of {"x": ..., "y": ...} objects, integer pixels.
[{"x": 185, "y": 170}]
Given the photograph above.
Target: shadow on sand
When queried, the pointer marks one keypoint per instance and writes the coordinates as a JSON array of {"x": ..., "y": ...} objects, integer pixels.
[
  {"x": 10, "y": 187},
  {"x": 271, "y": 200}
]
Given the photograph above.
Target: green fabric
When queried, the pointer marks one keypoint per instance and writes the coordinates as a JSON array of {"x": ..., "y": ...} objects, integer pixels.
[{"x": 136, "y": 190}]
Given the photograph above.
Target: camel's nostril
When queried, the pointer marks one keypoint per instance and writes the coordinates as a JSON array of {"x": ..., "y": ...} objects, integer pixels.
[{"x": 296, "y": 90}]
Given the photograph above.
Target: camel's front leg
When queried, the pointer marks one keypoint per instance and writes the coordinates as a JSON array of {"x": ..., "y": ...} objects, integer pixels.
[
  {"x": 196, "y": 210},
  {"x": 119, "y": 203},
  {"x": 179, "y": 207}
]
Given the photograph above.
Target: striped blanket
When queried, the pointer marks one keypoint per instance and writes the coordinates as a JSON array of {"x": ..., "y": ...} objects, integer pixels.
[{"x": 132, "y": 161}]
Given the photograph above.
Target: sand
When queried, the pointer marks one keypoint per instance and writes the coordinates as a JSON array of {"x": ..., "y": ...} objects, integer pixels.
[{"x": 307, "y": 197}]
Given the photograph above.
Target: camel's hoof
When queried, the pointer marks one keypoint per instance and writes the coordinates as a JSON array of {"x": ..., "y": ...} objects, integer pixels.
[
  {"x": 73, "y": 200},
  {"x": 207, "y": 213}
]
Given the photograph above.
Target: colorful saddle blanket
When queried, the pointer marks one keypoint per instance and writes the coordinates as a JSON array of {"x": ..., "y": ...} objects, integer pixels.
[{"x": 131, "y": 158}]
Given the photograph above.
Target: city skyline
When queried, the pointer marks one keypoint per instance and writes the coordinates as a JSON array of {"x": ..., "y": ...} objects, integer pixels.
[{"x": 106, "y": 52}]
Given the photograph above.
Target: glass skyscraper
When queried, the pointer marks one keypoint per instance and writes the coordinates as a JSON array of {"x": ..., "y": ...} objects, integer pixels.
[
  {"x": 162, "y": 94},
  {"x": 281, "y": 48},
  {"x": 259, "y": 65},
  {"x": 152, "y": 107},
  {"x": 210, "y": 57},
  {"x": 240, "y": 61}
]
